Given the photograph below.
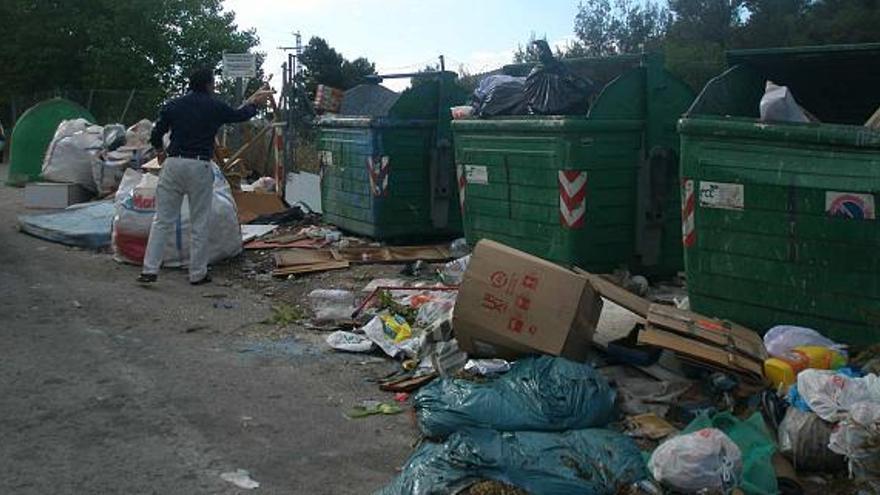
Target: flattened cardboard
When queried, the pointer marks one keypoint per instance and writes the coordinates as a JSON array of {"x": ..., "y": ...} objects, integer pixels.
[
  {"x": 511, "y": 303},
  {"x": 717, "y": 332},
  {"x": 252, "y": 205}
]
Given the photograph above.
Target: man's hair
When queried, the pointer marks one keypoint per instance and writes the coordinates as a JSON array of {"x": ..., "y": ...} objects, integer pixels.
[{"x": 200, "y": 78}]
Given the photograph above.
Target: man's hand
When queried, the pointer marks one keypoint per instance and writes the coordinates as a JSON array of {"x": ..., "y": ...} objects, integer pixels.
[
  {"x": 261, "y": 96},
  {"x": 161, "y": 156}
]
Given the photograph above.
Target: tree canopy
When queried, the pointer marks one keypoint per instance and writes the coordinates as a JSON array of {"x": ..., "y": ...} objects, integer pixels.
[
  {"x": 695, "y": 33},
  {"x": 324, "y": 65},
  {"x": 148, "y": 45}
]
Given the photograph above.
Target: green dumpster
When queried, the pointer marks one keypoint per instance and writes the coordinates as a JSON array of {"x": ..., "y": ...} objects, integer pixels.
[
  {"x": 597, "y": 190},
  {"x": 390, "y": 176},
  {"x": 32, "y": 134},
  {"x": 779, "y": 219}
]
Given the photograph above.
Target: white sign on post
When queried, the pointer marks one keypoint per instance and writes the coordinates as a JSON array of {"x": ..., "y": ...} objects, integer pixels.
[{"x": 239, "y": 65}]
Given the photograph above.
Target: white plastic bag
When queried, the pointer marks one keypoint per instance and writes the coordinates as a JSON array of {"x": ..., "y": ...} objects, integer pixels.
[
  {"x": 781, "y": 339},
  {"x": 858, "y": 438},
  {"x": 73, "y": 153},
  {"x": 349, "y": 342},
  {"x": 778, "y": 105},
  {"x": 375, "y": 331},
  {"x": 136, "y": 206},
  {"x": 452, "y": 273},
  {"x": 830, "y": 394},
  {"x": 138, "y": 135},
  {"x": 704, "y": 460},
  {"x": 331, "y": 304},
  {"x": 803, "y": 438}
]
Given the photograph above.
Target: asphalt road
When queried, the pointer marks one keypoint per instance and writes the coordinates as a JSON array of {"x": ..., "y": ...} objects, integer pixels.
[{"x": 107, "y": 387}]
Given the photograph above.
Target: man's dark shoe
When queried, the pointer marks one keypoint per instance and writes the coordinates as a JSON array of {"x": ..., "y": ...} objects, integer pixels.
[
  {"x": 147, "y": 278},
  {"x": 202, "y": 281}
]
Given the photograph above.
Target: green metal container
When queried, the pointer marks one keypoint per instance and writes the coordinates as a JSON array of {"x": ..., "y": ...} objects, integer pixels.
[
  {"x": 391, "y": 177},
  {"x": 32, "y": 134},
  {"x": 597, "y": 191},
  {"x": 779, "y": 220}
]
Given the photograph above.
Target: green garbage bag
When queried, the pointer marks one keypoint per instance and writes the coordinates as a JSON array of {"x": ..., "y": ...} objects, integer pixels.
[
  {"x": 755, "y": 444},
  {"x": 537, "y": 394},
  {"x": 588, "y": 462}
]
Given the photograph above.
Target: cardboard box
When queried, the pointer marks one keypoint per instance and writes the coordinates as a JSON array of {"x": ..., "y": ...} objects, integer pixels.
[
  {"x": 252, "y": 205},
  {"x": 511, "y": 303},
  {"x": 54, "y": 195}
]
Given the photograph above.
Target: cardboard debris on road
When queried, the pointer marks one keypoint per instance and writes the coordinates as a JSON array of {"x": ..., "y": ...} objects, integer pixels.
[
  {"x": 511, "y": 303},
  {"x": 252, "y": 205}
]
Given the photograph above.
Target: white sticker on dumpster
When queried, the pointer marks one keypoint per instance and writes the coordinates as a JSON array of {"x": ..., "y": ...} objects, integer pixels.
[
  {"x": 855, "y": 206},
  {"x": 476, "y": 174},
  {"x": 722, "y": 195},
  {"x": 325, "y": 158}
]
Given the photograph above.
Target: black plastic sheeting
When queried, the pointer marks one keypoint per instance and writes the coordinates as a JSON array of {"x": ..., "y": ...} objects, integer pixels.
[
  {"x": 591, "y": 462},
  {"x": 538, "y": 394}
]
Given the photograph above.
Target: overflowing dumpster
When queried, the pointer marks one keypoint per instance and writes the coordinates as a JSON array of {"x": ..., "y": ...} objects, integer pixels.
[
  {"x": 779, "y": 219},
  {"x": 595, "y": 190},
  {"x": 389, "y": 175}
]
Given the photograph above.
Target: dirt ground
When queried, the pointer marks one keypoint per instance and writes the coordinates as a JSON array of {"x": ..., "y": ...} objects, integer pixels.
[{"x": 107, "y": 387}]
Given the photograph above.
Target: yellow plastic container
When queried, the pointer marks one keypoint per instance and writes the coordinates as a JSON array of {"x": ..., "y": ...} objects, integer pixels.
[{"x": 782, "y": 372}]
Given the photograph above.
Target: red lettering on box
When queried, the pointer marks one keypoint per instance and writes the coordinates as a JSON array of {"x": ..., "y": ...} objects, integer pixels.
[
  {"x": 515, "y": 324},
  {"x": 533, "y": 329},
  {"x": 530, "y": 282},
  {"x": 523, "y": 303},
  {"x": 494, "y": 303},
  {"x": 498, "y": 279}
]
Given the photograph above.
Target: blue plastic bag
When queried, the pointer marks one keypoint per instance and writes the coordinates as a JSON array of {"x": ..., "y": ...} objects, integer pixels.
[
  {"x": 591, "y": 462},
  {"x": 537, "y": 394}
]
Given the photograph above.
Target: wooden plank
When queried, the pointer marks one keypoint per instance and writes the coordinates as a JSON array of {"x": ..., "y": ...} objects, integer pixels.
[
  {"x": 296, "y": 257},
  {"x": 394, "y": 254},
  {"x": 310, "y": 268}
]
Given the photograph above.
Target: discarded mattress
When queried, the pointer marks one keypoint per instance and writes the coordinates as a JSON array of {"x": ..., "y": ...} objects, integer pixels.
[{"x": 85, "y": 225}]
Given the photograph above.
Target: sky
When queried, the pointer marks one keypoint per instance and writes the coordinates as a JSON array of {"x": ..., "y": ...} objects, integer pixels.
[{"x": 406, "y": 35}]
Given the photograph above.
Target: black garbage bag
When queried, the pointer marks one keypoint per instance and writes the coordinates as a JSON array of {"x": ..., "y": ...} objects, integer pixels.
[
  {"x": 553, "y": 89},
  {"x": 538, "y": 394},
  {"x": 500, "y": 95},
  {"x": 593, "y": 461}
]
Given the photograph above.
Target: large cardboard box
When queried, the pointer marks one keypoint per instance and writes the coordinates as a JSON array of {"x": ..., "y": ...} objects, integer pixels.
[{"x": 511, "y": 303}]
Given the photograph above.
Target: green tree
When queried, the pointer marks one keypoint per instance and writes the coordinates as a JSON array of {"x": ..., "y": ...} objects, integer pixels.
[
  {"x": 104, "y": 44},
  {"x": 605, "y": 28},
  {"x": 324, "y": 65}
]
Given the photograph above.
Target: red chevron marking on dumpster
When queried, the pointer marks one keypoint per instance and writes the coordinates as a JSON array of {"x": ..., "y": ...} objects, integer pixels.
[
  {"x": 688, "y": 209},
  {"x": 378, "y": 170},
  {"x": 462, "y": 185},
  {"x": 572, "y": 198}
]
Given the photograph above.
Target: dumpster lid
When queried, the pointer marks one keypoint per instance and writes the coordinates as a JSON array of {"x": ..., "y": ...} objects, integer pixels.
[{"x": 837, "y": 83}]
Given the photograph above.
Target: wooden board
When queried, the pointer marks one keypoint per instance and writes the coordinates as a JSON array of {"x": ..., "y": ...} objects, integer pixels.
[
  {"x": 393, "y": 254},
  {"x": 296, "y": 257},
  {"x": 310, "y": 268}
]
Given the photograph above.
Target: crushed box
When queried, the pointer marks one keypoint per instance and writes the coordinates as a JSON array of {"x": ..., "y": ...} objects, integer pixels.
[{"x": 511, "y": 303}]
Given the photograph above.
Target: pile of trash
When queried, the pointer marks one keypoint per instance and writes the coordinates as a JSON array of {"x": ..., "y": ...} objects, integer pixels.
[
  {"x": 96, "y": 157},
  {"x": 682, "y": 403}
]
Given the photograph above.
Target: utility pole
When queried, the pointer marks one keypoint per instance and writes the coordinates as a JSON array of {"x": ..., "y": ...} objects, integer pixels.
[{"x": 291, "y": 71}]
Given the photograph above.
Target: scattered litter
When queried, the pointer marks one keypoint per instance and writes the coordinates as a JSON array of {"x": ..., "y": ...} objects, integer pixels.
[
  {"x": 452, "y": 273},
  {"x": 649, "y": 426},
  {"x": 331, "y": 305},
  {"x": 704, "y": 460},
  {"x": 538, "y": 393},
  {"x": 803, "y": 437},
  {"x": 349, "y": 342},
  {"x": 781, "y": 339},
  {"x": 76, "y": 304},
  {"x": 84, "y": 225},
  {"x": 831, "y": 394},
  {"x": 487, "y": 366},
  {"x": 387, "y": 338},
  {"x": 240, "y": 478},
  {"x": 414, "y": 269},
  {"x": 372, "y": 408},
  {"x": 858, "y": 438},
  {"x": 251, "y": 232},
  {"x": 594, "y": 461},
  {"x": 447, "y": 358}
]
